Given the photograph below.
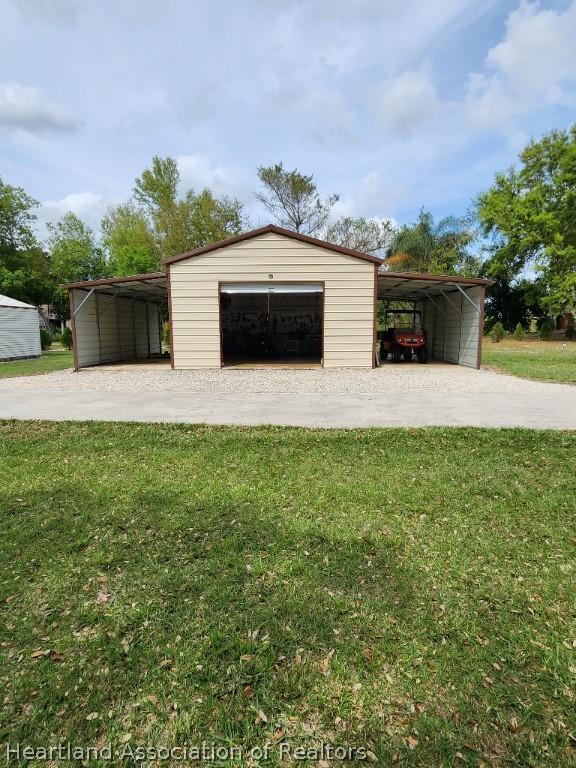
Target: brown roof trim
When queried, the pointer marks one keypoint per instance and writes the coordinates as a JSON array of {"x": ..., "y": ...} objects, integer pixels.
[
  {"x": 273, "y": 229},
  {"x": 114, "y": 280},
  {"x": 437, "y": 278}
]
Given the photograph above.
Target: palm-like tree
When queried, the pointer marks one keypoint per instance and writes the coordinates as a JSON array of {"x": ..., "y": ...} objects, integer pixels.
[{"x": 427, "y": 246}]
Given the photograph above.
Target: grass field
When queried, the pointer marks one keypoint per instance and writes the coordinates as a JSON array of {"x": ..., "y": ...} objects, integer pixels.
[
  {"x": 53, "y": 360},
  {"x": 531, "y": 359},
  {"x": 410, "y": 592}
]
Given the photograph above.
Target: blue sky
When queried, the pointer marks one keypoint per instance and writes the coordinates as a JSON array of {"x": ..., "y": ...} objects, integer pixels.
[{"x": 394, "y": 104}]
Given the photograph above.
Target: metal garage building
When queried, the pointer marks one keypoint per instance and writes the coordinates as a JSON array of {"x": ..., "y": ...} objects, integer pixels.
[
  {"x": 269, "y": 296},
  {"x": 19, "y": 330}
]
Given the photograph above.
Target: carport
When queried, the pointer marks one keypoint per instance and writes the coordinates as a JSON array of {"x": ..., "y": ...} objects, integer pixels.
[
  {"x": 117, "y": 319},
  {"x": 452, "y": 310}
]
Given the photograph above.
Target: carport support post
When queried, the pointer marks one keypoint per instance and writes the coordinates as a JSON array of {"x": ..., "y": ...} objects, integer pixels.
[
  {"x": 98, "y": 327},
  {"x": 480, "y": 328},
  {"x": 118, "y": 335},
  {"x": 134, "y": 330},
  {"x": 73, "y": 326},
  {"x": 148, "y": 327}
]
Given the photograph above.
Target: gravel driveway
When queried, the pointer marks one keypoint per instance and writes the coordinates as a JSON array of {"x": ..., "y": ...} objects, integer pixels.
[
  {"x": 389, "y": 379},
  {"x": 402, "y": 395}
]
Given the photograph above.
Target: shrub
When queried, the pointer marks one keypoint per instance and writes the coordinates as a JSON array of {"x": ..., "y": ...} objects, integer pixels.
[
  {"x": 66, "y": 338},
  {"x": 570, "y": 332},
  {"x": 497, "y": 333},
  {"x": 166, "y": 334},
  {"x": 519, "y": 331},
  {"x": 546, "y": 329},
  {"x": 45, "y": 339}
]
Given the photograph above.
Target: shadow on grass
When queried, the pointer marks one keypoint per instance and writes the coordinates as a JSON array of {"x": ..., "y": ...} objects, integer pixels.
[
  {"x": 213, "y": 607},
  {"x": 183, "y": 602}
]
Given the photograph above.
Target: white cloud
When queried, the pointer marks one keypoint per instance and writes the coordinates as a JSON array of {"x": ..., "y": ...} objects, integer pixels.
[
  {"x": 24, "y": 107},
  {"x": 408, "y": 102},
  {"x": 534, "y": 64},
  {"x": 197, "y": 172},
  {"x": 77, "y": 203},
  {"x": 372, "y": 198},
  {"x": 48, "y": 10},
  {"x": 87, "y": 206}
]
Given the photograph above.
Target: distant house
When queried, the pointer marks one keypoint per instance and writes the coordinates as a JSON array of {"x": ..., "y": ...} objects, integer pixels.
[{"x": 19, "y": 330}]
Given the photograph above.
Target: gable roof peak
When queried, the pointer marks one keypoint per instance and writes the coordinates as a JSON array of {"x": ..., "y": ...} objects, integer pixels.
[{"x": 274, "y": 229}]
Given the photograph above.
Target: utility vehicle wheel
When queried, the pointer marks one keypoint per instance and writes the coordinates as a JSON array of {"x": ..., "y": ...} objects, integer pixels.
[
  {"x": 397, "y": 355},
  {"x": 422, "y": 355}
]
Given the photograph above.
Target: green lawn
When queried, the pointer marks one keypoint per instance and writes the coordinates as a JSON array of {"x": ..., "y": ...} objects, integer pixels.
[
  {"x": 407, "y": 591},
  {"x": 544, "y": 360},
  {"x": 52, "y": 360}
]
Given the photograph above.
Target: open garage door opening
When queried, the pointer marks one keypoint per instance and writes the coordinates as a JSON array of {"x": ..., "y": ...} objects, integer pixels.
[{"x": 272, "y": 325}]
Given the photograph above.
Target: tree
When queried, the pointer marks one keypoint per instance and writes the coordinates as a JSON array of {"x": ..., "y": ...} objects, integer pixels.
[
  {"x": 513, "y": 302},
  {"x": 497, "y": 333},
  {"x": 442, "y": 247},
  {"x": 183, "y": 223},
  {"x": 373, "y": 236},
  {"x": 519, "y": 331},
  {"x": 129, "y": 241},
  {"x": 16, "y": 219},
  {"x": 157, "y": 188},
  {"x": 529, "y": 214},
  {"x": 24, "y": 268},
  {"x": 74, "y": 254},
  {"x": 292, "y": 199},
  {"x": 66, "y": 338},
  {"x": 209, "y": 219}
]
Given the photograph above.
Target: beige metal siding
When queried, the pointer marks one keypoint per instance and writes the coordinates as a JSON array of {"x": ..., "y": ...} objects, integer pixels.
[
  {"x": 109, "y": 329},
  {"x": 348, "y": 296},
  {"x": 19, "y": 333}
]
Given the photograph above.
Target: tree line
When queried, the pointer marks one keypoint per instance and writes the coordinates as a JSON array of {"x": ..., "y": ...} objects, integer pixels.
[{"x": 521, "y": 232}]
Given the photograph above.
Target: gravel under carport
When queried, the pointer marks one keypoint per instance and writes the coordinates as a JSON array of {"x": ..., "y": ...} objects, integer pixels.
[{"x": 389, "y": 379}]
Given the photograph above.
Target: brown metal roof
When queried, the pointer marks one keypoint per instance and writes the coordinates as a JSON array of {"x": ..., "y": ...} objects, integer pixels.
[
  {"x": 113, "y": 280},
  {"x": 148, "y": 287},
  {"x": 417, "y": 285},
  {"x": 435, "y": 278},
  {"x": 273, "y": 229}
]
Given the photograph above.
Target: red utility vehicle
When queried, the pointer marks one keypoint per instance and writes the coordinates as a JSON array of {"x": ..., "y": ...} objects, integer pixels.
[{"x": 404, "y": 337}]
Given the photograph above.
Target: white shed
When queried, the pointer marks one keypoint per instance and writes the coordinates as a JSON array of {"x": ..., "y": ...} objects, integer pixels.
[{"x": 19, "y": 330}]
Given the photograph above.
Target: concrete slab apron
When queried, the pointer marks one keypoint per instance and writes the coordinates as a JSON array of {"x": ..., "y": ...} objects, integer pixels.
[{"x": 554, "y": 408}]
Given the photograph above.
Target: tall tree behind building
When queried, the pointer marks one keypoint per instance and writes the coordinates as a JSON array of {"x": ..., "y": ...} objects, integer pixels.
[
  {"x": 529, "y": 215},
  {"x": 443, "y": 247},
  {"x": 182, "y": 222},
  {"x": 292, "y": 200}
]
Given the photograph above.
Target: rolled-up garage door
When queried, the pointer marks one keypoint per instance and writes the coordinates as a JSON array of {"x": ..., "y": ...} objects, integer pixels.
[{"x": 272, "y": 288}]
